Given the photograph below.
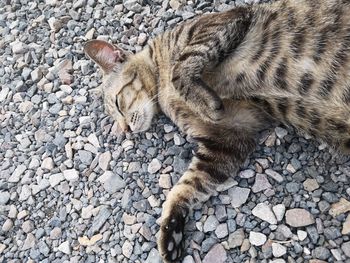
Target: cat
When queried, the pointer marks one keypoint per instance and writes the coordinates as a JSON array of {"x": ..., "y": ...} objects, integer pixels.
[{"x": 223, "y": 77}]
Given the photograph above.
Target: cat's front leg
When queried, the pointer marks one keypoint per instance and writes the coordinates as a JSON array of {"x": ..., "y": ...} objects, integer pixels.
[{"x": 217, "y": 158}]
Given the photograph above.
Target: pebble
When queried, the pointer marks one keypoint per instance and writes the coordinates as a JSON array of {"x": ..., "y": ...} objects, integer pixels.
[
  {"x": 299, "y": 217},
  {"x": 341, "y": 207},
  {"x": 264, "y": 212},
  {"x": 28, "y": 226},
  {"x": 55, "y": 179},
  {"x": 56, "y": 233},
  {"x": 302, "y": 235},
  {"x": 236, "y": 238},
  {"x": 4, "y": 197},
  {"x": 104, "y": 160},
  {"x": 216, "y": 254},
  {"x": 279, "y": 211},
  {"x": 261, "y": 183},
  {"x": 153, "y": 257},
  {"x": 280, "y": 132},
  {"x": 346, "y": 248},
  {"x": 8, "y": 224},
  {"x": 221, "y": 230},
  {"x": 257, "y": 239},
  {"x": 165, "y": 181},
  {"x": 65, "y": 248},
  {"x": 274, "y": 175},
  {"x": 154, "y": 166},
  {"x": 346, "y": 226},
  {"x": 111, "y": 182},
  {"x": 311, "y": 185},
  {"x": 17, "y": 173},
  {"x": 246, "y": 174},
  {"x": 127, "y": 249},
  {"x": 100, "y": 219},
  {"x": 85, "y": 241},
  {"x": 278, "y": 250},
  {"x": 210, "y": 224},
  {"x": 71, "y": 175},
  {"x": 47, "y": 164},
  {"x": 29, "y": 242},
  {"x": 238, "y": 195}
]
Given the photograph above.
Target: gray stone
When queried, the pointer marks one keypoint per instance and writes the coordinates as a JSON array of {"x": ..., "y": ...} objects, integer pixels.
[
  {"x": 85, "y": 157},
  {"x": 29, "y": 242},
  {"x": 278, "y": 250},
  {"x": 111, "y": 182},
  {"x": 16, "y": 175},
  {"x": 55, "y": 179},
  {"x": 154, "y": 166},
  {"x": 100, "y": 219},
  {"x": 299, "y": 217},
  {"x": 132, "y": 5},
  {"x": 279, "y": 211},
  {"x": 216, "y": 254},
  {"x": 4, "y": 197},
  {"x": 210, "y": 224},
  {"x": 65, "y": 247},
  {"x": 321, "y": 253},
  {"x": 104, "y": 159},
  {"x": 238, "y": 196},
  {"x": 28, "y": 226},
  {"x": 264, "y": 212},
  {"x": 8, "y": 224},
  {"x": 221, "y": 230},
  {"x": 153, "y": 257},
  {"x": 71, "y": 175},
  {"x": 346, "y": 248},
  {"x": 274, "y": 175},
  {"x": 246, "y": 174},
  {"x": 236, "y": 238},
  {"x": 257, "y": 239},
  {"x": 127, "y": 249},
  {"x": 261, "y": 183}
]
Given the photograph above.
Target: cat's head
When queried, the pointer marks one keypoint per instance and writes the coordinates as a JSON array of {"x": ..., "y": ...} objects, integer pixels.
[{"x": 128, "y": 85}]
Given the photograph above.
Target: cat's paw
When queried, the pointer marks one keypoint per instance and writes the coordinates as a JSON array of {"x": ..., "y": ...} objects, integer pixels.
[
  {"x": 216, "y": 109},
  {"x": 170, "y": 242}
]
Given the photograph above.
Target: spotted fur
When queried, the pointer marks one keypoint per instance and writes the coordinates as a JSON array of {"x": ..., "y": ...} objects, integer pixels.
[{"x": 221, "y": 77}]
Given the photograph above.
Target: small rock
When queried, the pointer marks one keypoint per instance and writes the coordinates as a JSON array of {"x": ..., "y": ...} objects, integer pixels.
[
  {"x": 302, "y": 235},
  {"x": 280, "y": 132},
  {"x": 8, "y": 224},
  {"x": 86, "y": 212},
  {"x": 261, "y": 183},
  {"x": 4, "y": 197},
  {"x": 55, "y": 179},
  {"x": 28, "y": 226},
  {"x": 56, "y": 233},
  {"x": 165, "y": 181},
  {"x": 134, "y": 167},
  {"x": 16, "y": 175},
  {"x": 129, "y": 219},
  {"x": 216, "y": 254},
  {"x": 153, "y": 257},
  {"x": 236, "y": 238},
  {"x": 310, "y": 185},
  {"x": 127, "y": 249},
  {"x": 343, "y": 206},
  {"x": 238, "y": 196},
  {"x": 210, "y": 224},
  {"x": 85, "y": 157},
  {"x": 321, "y": 253},
  {"x": 85, "y": 241},
  {"x": 154, "y": 166},
  {"x": 346, "y": 248},
  {"x": 257, "y": 239},
  {"x": 346, "y": 226},
  {"x": 47, "y": 164},
  {"x": 29, "y": 242},
  {"x": 111, "y": 182},
  {"x": 188, "y": 259},
  {"x": 279, "y": 211},
  {"x": 104, "y": 159},
  {"x": 221, "y": 230},
  {"x": 100, "y": 219},
  {"x": 71, "y": 175},
  {"x": 274, "y": 175},
  {"x": 264, "y": 212},
  {"x": 246, "y": 174},
  {"x": 278, "y": 250},
  {"x": 65, "y": 248},
  {"x": 299, "y": 217}
]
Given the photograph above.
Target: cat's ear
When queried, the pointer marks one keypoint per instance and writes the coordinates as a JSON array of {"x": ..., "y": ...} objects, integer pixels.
[{"x": 106, "y": 55}]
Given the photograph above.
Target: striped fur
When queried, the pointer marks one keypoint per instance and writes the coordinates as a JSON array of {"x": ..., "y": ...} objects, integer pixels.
[{"x": 220, "y": 77}]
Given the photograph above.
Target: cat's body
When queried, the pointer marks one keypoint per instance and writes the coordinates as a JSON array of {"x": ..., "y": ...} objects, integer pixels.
[{"x": 290, "y": 58}]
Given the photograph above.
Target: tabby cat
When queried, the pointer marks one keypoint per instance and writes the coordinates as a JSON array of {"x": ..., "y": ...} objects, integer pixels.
[{"x": 221, "y": 77}]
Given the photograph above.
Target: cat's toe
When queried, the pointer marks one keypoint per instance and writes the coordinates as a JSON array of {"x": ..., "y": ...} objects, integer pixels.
[{"x": 171, "y": 238}]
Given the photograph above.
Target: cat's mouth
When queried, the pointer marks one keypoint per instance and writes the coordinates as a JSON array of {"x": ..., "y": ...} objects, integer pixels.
[{"x": 140, "y": 122}]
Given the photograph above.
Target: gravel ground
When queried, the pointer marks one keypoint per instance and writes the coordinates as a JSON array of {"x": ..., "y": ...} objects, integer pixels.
[{"x": 74, "y": 189}]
